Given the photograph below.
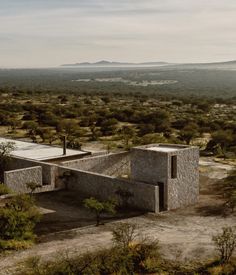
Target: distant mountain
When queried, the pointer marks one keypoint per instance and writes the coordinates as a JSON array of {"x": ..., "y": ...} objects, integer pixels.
[
  {"x": 231, "y": 65},
  {"x": 108, "y": 63},
  {"x": 232, "y": 62}
]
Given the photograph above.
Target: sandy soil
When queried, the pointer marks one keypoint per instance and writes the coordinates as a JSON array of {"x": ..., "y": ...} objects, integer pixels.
[{"x": 184, "y": 234}]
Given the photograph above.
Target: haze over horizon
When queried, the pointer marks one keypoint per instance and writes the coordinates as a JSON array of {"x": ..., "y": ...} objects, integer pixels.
[{"x": 44, "y": 33}]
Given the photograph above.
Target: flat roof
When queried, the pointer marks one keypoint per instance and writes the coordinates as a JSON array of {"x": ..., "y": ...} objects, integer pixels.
[
  {"x": 36, "y": 151},
  {"x": 163, "y": 149}
]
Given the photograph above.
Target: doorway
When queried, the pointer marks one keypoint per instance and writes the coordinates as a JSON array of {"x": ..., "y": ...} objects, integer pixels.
[{"x": 161, "y": 196}]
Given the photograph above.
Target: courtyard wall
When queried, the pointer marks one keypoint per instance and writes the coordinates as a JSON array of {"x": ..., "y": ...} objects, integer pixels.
[
  {"x": 17, "y": 179},
  {"x": 49, "y": 171},
  {"x": 110, "y": 164},
  {"x": 145, "y": 196}
]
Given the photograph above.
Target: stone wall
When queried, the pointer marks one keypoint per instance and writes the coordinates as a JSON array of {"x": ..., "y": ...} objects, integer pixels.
[
  {"x": 145, "y": 196},
  {"x": 184, "y": 190},
  {"x": 16, "y": 180},
  {"x": 149, "y": 166},
  {"x": 49, "y": 171},
  {"x": 154, "y": 167},
  {"x": 111, "y": 164}
]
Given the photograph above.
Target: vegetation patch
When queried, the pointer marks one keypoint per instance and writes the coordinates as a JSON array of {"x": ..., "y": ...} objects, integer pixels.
[{"x": 17, "y": 221}]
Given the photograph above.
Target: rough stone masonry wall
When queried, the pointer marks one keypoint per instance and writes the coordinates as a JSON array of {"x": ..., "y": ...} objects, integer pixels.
[
  {"x": 49, "y": 171},
  {"x": 149, "y": 166},
  {"x": 184, "y": 190},
  {"x": 16, "y": 180},
  {"x": 145, "y": 196},
  {"x": 112, "y": 164},
  {"x": 153, "y": 167}
]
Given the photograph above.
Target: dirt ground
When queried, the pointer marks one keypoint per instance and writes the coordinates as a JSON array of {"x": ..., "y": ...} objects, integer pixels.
[{"x": 184, "y": 234}]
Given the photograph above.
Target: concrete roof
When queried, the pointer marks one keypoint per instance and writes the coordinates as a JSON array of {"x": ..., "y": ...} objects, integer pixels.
[
  {"x": 37, "y": 151},
  {"x": 163, "y": 149}
]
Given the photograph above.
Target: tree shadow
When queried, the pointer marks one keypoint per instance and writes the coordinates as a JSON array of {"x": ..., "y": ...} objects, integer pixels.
[
  {"x": 64, "y": 211},
  {"x": 212, "y": 210}
]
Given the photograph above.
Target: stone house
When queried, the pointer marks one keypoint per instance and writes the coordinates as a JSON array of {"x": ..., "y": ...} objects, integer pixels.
[{"x": 159, "y": 176}]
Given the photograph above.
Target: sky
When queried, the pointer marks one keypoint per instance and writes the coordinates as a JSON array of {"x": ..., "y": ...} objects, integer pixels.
[{"x": 48, "y": 33}]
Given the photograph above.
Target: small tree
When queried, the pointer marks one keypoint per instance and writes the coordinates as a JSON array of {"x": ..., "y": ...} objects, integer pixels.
[
  {"x": 189, "y": 132},
  {"x": 223, "y": 138},
  {"x": 124, "y": 234},
  {"x": 32, "y": 186},
  {"x": 127, "y": 134},
  {"x": 225, "y": 244},
  {"x": 100, "y": 207},
  {"x": 5, "y": 150}
]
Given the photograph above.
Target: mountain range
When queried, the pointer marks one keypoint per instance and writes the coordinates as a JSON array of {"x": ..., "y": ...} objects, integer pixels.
[
  {"x": 104, "y": 63},
  {"x": 109, "y": 63}
]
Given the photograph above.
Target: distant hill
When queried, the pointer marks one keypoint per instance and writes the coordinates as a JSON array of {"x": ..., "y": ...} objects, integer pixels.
[
  {"x": 104, "y": 63},
  {"x": 111, "y": 64}
]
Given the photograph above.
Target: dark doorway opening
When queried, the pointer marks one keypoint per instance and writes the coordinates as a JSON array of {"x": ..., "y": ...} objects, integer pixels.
[{"x": 161, "y": 196}]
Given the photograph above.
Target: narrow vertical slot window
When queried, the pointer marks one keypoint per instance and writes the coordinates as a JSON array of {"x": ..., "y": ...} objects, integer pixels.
[{"x": 173, "y": 167}]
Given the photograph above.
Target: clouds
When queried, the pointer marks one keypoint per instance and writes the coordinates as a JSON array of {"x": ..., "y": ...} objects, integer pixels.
[{"x": 52, "y": 32}]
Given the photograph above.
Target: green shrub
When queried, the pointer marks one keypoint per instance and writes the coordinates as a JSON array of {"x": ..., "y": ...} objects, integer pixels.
[
  {"x": 225, "y": 243},
  {"x": 15, "y": 244},
  {"x": 4, "y": 189},
  {"x": 124, "y": 234},
  {"x": 100, "y": 207},
  {"x": 107, "y": 261},
  {"x": 17, "y": 220}
]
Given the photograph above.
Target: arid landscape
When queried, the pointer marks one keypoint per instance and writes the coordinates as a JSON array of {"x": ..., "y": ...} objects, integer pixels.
[
  {"x": 184, "y": 234},
  {"x": 117, "y": 137}
]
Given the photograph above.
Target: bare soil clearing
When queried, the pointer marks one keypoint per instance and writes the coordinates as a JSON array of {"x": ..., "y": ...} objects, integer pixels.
[{"x": 184, "y": 234}]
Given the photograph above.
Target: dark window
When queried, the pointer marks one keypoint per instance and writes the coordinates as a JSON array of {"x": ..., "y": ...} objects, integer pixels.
[
  {"x": 161, "y": 196},
  {"x": 173, "y": 167}
]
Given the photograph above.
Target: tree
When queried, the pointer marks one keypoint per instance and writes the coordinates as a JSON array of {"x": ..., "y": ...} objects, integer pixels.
[
  {"x": 14, "y": 123},
  {"x": 70, "y": 129},
  {"x": 47, "y": 134},
  {"x": 108, "y": 126},
  {"x": 31, "y": 127},
  {"x": 225, "y": 243},
  {"x": 127, "y": 134},
  {"x": 95, "y": 133},
  {"x": 5, "y": 150},
  {"x": 100, "y": 207},
  {"x": 32, "y": 186},
  {"x": 18, "y": 219},
  {"x": 189, "y": 132},
  {"x": 146, "y": 129},
  {"x": 224, "y": 139}
]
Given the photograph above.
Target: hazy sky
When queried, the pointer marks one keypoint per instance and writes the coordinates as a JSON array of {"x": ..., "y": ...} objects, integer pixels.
[{"x": 38, "y": 33}]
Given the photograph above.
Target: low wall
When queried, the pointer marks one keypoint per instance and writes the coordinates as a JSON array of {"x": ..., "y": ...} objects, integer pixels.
[
  {"x": 111, "y": 164},
  {"x": 145, "y": 196},
  {"x": 49, "y": 171},
  {"x": 16, "y": 180}
]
